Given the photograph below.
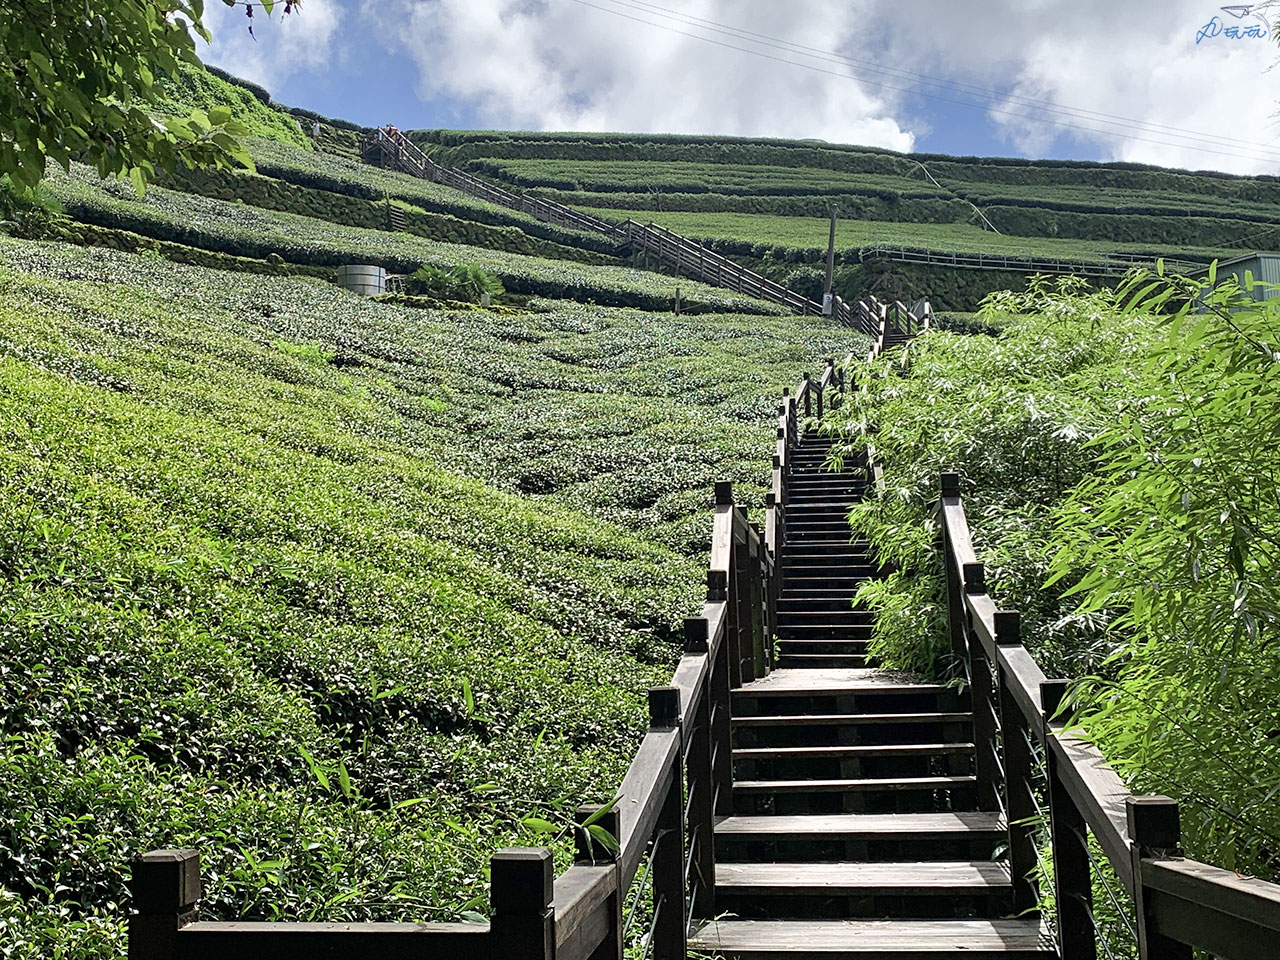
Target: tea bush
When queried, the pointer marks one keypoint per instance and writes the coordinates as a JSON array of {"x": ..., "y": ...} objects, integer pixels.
[
  {"x": 243, "y": 230},
  {"x": 270, "y": 587}
]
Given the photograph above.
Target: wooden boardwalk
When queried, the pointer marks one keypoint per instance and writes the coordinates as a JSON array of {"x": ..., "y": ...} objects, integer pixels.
[{"x": 855, "y": 829}]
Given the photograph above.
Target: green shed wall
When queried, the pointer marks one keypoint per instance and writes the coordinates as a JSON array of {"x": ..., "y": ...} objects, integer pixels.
[{"x": 1265, "y": 269}]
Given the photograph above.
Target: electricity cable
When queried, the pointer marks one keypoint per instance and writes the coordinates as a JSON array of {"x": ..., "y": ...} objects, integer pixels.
[
  {"x": 958, "y": 85},
  {"x": 931, "y": 96}
]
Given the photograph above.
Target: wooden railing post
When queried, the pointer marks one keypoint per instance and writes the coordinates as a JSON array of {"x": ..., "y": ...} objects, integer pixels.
[
  {"x": 949, "y": 489},
  {"x": 1069, "y": 838},
  {"x": 1020, "y": 801},
  {"x": 808, "y": 395},
  {"x": 741, "y": 596},
  {"x": 730, "y": 590},
  {"x": 721, "y": 731},
  {"x": 670, "y": 926},
  {"x": 165, "y": 886},
  {"x": 986, "y": 763},
  {"x": 521, "y": 887},
  {"x": 589, "y": 853},
  {"x": 754, "y": 595},
  {"x": 1155, "y": 832},
  {"x": 701, "y": 784}
]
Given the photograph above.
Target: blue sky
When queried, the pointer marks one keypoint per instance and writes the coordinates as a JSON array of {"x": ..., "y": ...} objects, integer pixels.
[{"x": 1156, "y": 83}]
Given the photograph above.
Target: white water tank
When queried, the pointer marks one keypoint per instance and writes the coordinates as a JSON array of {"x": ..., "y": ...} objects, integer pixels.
[{"x": 362, "y": 278}]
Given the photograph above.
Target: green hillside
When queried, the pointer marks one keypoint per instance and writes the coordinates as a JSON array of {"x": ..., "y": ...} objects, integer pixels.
[
  {"x": 250, "y": 520},
  {"x": 767, "y": 201}
]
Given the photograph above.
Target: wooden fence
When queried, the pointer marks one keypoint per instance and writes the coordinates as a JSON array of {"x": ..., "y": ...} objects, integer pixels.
[
  {"x": 1111, "y": 265},
  {"x": 1030, "y": 765}
]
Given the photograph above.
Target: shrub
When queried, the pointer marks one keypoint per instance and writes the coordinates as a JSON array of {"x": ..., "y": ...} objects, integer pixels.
[{"x": 469, "y": 284}]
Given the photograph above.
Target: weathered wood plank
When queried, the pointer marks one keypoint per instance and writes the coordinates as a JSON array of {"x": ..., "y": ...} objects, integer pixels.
[
  {"x": 1224, "y": 892},
  {"x": 907, "y": 879},
  {"x": 306, "y": 941},
  {"x": 862, "y": 824},
  {"x": 851, "y": 786},
  {"x": 834, "y": 681},
  {"x": 802, "y": 938},
  {"x": 641, "y": 794},
  {"x": 1099, "y": 794},
  {"x": 1022, "y": 677},
  {"x": 582, "y": 908},
  {"x": 852, "y": 752},
  {"x": 850, "y": 719}
]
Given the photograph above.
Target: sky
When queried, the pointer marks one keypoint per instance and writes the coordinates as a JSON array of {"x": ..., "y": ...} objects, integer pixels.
[{"x": 1183, "y": 83}]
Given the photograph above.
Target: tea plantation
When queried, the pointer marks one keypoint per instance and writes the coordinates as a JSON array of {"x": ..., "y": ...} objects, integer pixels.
[
  {"x": 346, "y": 594},
  {"x": 768, "y": 199}
]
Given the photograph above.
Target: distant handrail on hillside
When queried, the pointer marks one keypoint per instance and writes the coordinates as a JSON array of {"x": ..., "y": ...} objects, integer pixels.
[
  {"x": 388, "y": 146},
  {"x": 1115, "y": 264}
]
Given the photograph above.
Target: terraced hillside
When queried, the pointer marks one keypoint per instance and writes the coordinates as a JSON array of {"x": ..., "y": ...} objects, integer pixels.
[{"x": 766, "y": 202}]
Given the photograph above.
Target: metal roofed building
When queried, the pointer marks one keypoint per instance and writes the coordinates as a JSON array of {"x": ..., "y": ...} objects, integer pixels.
[{"x": 1263, "y": 267}]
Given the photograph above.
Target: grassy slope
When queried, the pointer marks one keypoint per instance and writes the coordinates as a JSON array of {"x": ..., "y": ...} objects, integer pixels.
[{"x": 235, "y": 524}]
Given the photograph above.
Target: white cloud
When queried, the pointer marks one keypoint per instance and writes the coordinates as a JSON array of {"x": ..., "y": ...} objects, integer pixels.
[
  {"x": 280, "y": 46},
  {"x": 1094, "y": 61},
  {"x": 1055, "y": 70},
  {"x": 564, "y": 65}
]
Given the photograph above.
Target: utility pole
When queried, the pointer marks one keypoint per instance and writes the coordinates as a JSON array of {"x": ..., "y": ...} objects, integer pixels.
[{"x": 827, "y": 301}]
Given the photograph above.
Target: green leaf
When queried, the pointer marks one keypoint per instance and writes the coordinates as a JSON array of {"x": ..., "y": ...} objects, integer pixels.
[
  {"x": 219, "y": 115},
  {"x": 603, "y": 837},
  {"x": 538, "y": 825}
]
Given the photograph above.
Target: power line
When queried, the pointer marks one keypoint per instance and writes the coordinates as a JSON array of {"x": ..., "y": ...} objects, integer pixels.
[
  {"x": 909, "y": 90},
  {"x": 958, "y": 85}
]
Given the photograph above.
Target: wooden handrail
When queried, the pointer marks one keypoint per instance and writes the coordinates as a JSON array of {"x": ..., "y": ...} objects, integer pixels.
[{"x": 1180, "y": 903}]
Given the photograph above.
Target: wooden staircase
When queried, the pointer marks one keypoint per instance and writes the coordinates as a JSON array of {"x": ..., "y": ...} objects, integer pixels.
[{"x": 854, "y": 829}]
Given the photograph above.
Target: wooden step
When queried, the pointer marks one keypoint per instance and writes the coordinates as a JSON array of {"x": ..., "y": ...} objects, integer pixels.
[
  {"x": 864, "y": 837},
  {"x": 798, "y": 570},
  {"x": 868, "y": 682},
  {"x": 827, "y": 645},
  {"x": 852, "y": 753},
  {"x": 819, "y": 661},
  {"x": 864, "y": 618},
  {"x": 835, "y": 551},
  {"x": 874, "y": 940},
  {"x": 824, "y": 633},
  {"x": 747, "y": 788},
  {"x": 926, "y": 878},
  {"x": 838, "y": 602},
  {"x": 850, "y": 719},
  {"x": 863, "y": 825}
]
